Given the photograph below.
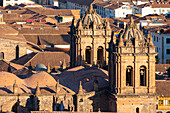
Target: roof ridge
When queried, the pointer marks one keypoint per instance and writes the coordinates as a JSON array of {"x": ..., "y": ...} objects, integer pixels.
[{"x": 31, "y": 58}]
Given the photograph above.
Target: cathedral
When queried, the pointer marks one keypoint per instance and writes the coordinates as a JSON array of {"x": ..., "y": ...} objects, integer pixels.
[
  {"x": 127, "y": 87},
  {"x": 130, "y": 58},
  {"x": 89, "y": 40}
]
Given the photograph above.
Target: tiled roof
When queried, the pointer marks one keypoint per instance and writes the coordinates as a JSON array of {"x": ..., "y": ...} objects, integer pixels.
[
  {"x": 51, "y": 58},
  {"x": 4, "y": 66},
  {"x": 7, "y": 30},
  {"x": 49, "y": 11},
  {"x": 162, "y": 67},
  {"x": 162, "y": 88},
  {"x": 49, "y": 39},
  {"x": 44, "y": 31},
  {"x": 85, "y": 2}
]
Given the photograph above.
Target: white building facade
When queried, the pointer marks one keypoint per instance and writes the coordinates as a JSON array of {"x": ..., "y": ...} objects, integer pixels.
[
  {"x": 152, "y": 8},
  {"x": 16, "y": 2},
  {"x": 162, "y": 43}
]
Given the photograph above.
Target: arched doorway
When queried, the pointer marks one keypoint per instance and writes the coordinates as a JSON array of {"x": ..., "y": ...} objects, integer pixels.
[
  {"x": 17, "y": 52},
  {"x": 100, "y": 57},
  {"x": 129, "y": 76},
  {"x": 88, "y": 55},
  {"x": 137, "y": 110},
  {"x": 143, "y": 76}
]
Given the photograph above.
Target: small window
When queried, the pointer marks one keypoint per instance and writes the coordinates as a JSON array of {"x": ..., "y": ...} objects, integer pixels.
[
  {"x": 1, "y": 55},
  {"x": 168, "y": 51},
  {"x": 154, "y": 38},
  {"x": 157, "y": 39},
  {"x": 81, "y": 100},
  {"x": 168, "y": 62},
  {"x": 154, "y": 10},
  {"x": 161, "y": 102},
  {"x": 163, "y": 10},
  {"x": 165, "y": 102},
  {"x": 169, "y": 102},
  {"x": 168, "y": 40}
]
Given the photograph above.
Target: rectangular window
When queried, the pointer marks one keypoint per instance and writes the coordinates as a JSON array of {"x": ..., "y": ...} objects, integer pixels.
[
  {"x": 157, "y": 39},
  {"x": 154, "y": 10},
  {"x": 161, "y": 102},
  {"x": 165, "y": 102},
  {"x": 169, "y": 100},
  {"x": 168, "y": 51},
  {"x": 168, "y": 40},
  {"x": 154, "y": 38},
  {"x": 168, "y": 62}
]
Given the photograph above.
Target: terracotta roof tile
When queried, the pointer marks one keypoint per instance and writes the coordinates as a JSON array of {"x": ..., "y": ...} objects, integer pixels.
[
  {"x": 162, "y": 88},
  {"x": 51, "y": 58}
]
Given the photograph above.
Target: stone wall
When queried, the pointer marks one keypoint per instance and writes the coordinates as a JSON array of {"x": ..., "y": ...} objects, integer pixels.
[{"x": 8, "y": 47}]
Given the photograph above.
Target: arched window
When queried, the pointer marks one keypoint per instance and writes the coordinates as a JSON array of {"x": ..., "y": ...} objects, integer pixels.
[
  {"x": 88, "y": 54},
  {"x": 129, "y": 76},
  {"x": 17, "y": 52},
  {"x": 143, "y": 76},
  {"x": 137, "y": 110},
  {"x": 100, "y": 55},
  {"x": 2, "y": 56}
]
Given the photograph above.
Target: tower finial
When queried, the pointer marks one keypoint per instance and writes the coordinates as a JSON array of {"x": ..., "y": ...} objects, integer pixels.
[
  {"x": 15, "y": 87},
  {"x": 58, "y": 86},
  {"x": 121, "y": 43},
  {"x": 80, "y": 89},
  {"x": 80, "y": 24},
  {"x": 150, "y": 39},
  {"x": 107, "y": 24},
  {"x": 91, "y": 8},
  {"x": 131, "y": 21},
  {"x": 37, "y": 92}
]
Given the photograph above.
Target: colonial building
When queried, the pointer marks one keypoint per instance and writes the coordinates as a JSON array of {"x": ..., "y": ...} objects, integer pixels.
[
  {"x": 132, "y": 72},
  {"x": 89, "y": 39}
]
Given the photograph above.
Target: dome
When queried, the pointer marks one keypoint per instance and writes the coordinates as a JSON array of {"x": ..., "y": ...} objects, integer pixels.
[
  {"x": 40, "y": 67},
  {"x": 132, "y": 34},
  {"x": 8, "y": 79},
  {"x": 43, "y": 78},
  {"x": 91, "y": 16}
]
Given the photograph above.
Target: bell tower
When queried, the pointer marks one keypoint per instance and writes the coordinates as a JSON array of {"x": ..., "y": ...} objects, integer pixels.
[
  {"x": 132, "y": 72},
  {"x": 90, "y": 36}
]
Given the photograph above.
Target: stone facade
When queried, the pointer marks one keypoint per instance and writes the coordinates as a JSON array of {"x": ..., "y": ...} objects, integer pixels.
[
  {"x": 89, "y": 40},
  {"x": 132, "y": 72},
  {"x": 12, "y": 49}
]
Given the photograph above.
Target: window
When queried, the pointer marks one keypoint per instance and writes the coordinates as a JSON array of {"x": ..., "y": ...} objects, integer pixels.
[
  {"x": 167, "y": 10},
  {"x": 154, "y": 10},
  {"x": 167, "y": 61},
  {"x": 157, "y": 39},
  {"x": 129, "y": 76},
  {"x": 163, "y": 10},
  {"x": 1, "y": 55},
  {"x": 142, "y": 76},
  {"x": 168, "y": 40},
  {"x": 169, "y": 102},
  {"x": 168, "y": 51},
  {"x": 161, "y": 102},
  {"x": 154, "y": 38},
  {"x": 165, "y": 102}
]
